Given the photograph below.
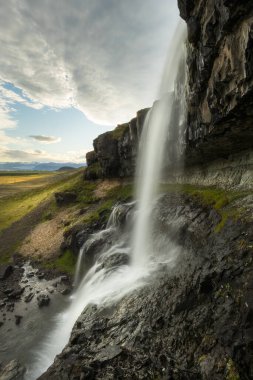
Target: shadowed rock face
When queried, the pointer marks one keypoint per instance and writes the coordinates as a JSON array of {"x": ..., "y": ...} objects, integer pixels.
[
  {"x": 190, "y": 323},
  {"x": 115, "y": 151},
  {"x": 220, "y": 58}
]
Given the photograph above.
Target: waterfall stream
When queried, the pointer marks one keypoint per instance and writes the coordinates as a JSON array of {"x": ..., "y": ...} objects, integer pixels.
[{"x": 124, "y": 259}]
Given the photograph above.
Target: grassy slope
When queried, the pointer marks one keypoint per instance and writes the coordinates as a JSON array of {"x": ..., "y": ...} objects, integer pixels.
[{"x": 18, "y": 205}]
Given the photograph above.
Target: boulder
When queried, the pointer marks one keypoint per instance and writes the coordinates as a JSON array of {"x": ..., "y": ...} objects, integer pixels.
[
  {"x": 65, "y": 197},
  {"x": 43, "y": 300},
  {"x": 5, "y": 271}
]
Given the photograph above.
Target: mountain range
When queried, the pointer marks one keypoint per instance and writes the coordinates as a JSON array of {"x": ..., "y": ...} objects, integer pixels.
[{"x": 40, "y": 166}]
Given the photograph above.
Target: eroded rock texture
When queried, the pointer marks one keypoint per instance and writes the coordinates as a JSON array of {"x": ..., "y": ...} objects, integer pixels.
[
  {"x": 220, "y": 62},
  {"x": 193, "y": 321},
  {"x": 115, "y": 152}
]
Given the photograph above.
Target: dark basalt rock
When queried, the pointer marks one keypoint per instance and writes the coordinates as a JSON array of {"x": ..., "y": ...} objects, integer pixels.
[
  {"x": 65, "y": 197},
  {"x": 91, "y": 158},
  {"x": 193, "y": 321},
  {"x": 75, "y": 237},
  {"x": 12, "y": 371},
  {"x": 220, "y": 78},
  {"x": 18, "y": 319},
  {"x": 5, "y": 271},
  {"x": 43, "y": 300},
  {"x": 114, "y": 152},
  {"x": 106, "y": 149}
]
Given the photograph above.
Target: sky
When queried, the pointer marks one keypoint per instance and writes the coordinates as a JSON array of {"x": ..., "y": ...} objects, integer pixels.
[{"x": 71, "y": 70}]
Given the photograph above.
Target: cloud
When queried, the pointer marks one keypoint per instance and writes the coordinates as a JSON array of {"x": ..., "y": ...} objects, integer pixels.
[
  {"x": 13, "y": 155},
  {"x": 8, "y": 99},
  {"x": 46, "y": 139},
  {"x": 104, "y": 58}
]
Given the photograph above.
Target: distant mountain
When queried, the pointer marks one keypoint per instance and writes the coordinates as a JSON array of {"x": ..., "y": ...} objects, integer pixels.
[
  {"x": 39, "y": 166},
  {"x": 65, "y": 168}
]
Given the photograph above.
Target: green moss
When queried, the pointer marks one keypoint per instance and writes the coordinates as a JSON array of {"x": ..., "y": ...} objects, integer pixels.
[
  {"x": 121, "y": 193},
  {"x": 65, "y": 263},
  {"x": 118, "y": 132},
  {"x": 221, "y": 200},
  {"x": 6, "y": 257},
  {"x": 93, "y": 172},
  {"x": 224, "y": 291},
  {"x": 83, "y": 189},
  {"x": 232, "y": 373}
]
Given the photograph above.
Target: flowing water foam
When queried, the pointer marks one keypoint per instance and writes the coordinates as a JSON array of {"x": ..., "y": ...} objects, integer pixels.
[{"x": 112, "y": 275}]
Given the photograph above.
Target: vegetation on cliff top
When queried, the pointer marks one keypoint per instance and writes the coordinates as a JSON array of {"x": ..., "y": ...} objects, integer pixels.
[
  {"x": 119, "y": 131},
  {"x": 223, "y": 201}
]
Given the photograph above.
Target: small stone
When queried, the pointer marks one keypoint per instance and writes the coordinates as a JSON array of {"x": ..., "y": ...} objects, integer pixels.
[
  {"x": 66, "y": 291},
  {"x": 18, "y": 319},
  {"x": 29, "y": 297},
  {"x": 8, "y": 291},
  {"x": 43, "y": 300},
  {"x": 30, "y": 274},
  {"x": 5, "y": 271}
]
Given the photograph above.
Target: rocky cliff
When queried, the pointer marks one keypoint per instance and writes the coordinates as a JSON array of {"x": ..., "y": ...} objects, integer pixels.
[
  {"x": 220, "y": 64},
  {"x": 220, "y": 99},
  {"x": 115, "y": 152}
]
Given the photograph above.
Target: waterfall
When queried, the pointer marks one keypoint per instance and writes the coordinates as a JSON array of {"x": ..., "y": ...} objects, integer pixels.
[
  {"x": 120, "y": 256},
  {"x": 158, "y": 125}
]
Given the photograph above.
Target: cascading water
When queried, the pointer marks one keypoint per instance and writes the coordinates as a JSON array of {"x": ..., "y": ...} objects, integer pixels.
[
  {"x": 149, "y": 166},
  {"x": 123, "y": 260}
]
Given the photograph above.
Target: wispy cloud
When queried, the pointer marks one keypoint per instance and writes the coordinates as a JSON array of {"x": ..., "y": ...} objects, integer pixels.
[
  {"x": 46, "y": 139},
  {"x": 41, "y": 156},
  {"x": 104, "y": 58}
]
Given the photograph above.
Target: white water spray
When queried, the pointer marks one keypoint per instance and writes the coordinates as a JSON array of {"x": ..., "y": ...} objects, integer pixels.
[
  {"x": 111, "y": 277},
  {"x": 150, "y": 162}
]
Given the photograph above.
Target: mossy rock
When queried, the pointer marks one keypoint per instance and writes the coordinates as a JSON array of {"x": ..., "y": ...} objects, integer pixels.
[{"x": 93, "y": 172}]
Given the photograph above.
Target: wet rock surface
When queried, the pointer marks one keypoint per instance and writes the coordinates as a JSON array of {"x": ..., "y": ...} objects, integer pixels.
[
  {"x": 193, "y": 321},
  {"x": 12, "y": 371},
  {"x": 29, "y": 300}
]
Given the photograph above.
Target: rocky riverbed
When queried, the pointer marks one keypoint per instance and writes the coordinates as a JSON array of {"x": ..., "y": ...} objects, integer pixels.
[{"x": 29, "y": 300}]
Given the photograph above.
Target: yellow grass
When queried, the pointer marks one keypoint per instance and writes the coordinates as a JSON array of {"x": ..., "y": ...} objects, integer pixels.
[
  {"x": 8, "y": 180},
  {"x": 16, "y": 206}
]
